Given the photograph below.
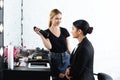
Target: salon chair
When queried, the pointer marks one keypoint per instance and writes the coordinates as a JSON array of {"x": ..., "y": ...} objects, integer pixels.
[{"x": 103, "y": 76}]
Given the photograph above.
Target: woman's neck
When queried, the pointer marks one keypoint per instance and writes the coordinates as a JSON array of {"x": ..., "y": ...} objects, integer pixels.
[
  {"x": 55, "y": 27},
  {"x": 81, "y": 38}
]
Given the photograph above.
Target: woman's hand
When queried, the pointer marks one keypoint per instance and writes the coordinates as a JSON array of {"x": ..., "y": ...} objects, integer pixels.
[
  {"x": 67, "y": 73},
  {"x": 46, "y": 41},
  {"x": 37, "y": 30}
]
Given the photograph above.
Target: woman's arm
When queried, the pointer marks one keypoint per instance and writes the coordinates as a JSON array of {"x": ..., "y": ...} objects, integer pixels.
[
  {"x": 46, "y": 41},
  {"x": 68, "y": 45}
]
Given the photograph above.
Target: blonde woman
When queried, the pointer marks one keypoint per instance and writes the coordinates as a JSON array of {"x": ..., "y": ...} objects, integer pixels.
[{"x": 56, "y": 39}]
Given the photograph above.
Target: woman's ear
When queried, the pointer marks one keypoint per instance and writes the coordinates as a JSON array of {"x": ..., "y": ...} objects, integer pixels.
[{"x": 79, "y": 30}]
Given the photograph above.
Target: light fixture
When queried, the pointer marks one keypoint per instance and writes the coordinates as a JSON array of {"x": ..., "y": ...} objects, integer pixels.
[
  {"x": 1, "y": 3},
  {"x": 1, "y": 51},
  {"x": 1, "y": 27}
]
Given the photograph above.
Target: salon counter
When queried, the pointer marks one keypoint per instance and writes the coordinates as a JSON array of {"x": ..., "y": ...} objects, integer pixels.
[{"x": 26, "y": 73}]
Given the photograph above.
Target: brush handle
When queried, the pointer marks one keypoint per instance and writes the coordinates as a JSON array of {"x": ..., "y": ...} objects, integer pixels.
[{"x": 44, "y": 33}]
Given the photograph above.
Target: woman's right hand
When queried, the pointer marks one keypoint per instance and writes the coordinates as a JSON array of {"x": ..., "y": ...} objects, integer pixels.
[
  {"x": 37, "y": 30},
  {"x": 46, "y": 41}
]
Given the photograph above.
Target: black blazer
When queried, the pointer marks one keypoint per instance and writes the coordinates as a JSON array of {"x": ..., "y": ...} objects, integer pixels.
[{"x": 81, "y": 61}]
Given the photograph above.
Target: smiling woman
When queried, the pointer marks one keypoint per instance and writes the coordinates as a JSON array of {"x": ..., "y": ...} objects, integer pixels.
[{"x": 57, "y": 42}]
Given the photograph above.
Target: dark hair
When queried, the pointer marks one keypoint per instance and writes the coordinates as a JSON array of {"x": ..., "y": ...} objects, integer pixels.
[{"x": 83, "y": 25}]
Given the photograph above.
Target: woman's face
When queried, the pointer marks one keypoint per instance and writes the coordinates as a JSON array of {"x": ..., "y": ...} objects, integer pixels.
[
  {"x": 56, "y": 20},
  {"x": 75, "y": 32}
]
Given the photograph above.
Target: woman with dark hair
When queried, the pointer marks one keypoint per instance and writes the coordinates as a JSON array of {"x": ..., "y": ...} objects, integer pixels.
[{"x": 82, "y": 57}]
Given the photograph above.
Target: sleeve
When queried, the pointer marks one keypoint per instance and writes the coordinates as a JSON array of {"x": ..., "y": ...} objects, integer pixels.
[
  {"x": 65, "y": 32},
  {"x": 45, "y": 33}
]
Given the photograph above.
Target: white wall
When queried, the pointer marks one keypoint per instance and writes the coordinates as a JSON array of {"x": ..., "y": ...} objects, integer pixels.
[
  {"x": 103, "y": 15},
  {"x": 107, "y": 40},
  {"x": 37, "y": 13}
]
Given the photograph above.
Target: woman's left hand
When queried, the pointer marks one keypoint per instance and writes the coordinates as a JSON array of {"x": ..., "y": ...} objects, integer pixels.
[{"x": 67, "y": 73}]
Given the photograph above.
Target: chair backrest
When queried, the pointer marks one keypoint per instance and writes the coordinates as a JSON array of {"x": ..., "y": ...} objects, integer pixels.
[{"x": 104, "y": 76}]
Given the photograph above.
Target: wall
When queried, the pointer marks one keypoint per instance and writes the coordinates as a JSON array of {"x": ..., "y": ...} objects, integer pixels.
[
  {"x": 36, "y": 13},
  {"x": 103, "y": 15},
  {"x": 107, "y": 40}
]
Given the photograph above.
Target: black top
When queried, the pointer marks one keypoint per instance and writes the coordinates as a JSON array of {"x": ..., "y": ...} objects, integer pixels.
[
  {"x": 81, "y": 61},
  {"x": 59, "y": 44}
]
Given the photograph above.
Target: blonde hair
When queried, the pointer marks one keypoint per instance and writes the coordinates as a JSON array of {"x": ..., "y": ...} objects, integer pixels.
[{"x": 52, "y": 14}]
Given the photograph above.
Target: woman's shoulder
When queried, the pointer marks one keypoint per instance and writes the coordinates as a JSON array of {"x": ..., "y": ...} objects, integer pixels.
[
  {"x": 63, "y": 29},
  {"x": 47, "y": 30}
]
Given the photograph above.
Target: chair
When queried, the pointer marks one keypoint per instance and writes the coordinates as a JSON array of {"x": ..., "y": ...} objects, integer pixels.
[{"x": 103, "y": 76}]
